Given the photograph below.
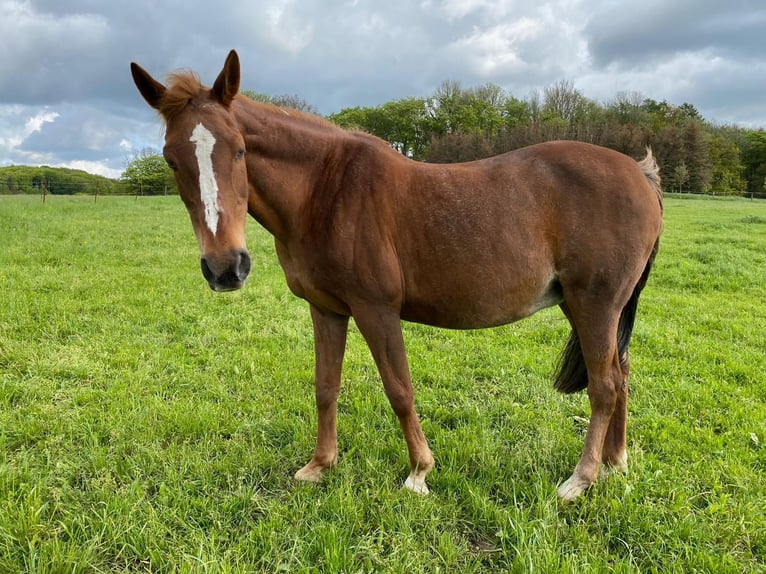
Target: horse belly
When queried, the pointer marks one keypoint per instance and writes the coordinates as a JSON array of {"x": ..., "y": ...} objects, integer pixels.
[{"x": 480, "y": 300}]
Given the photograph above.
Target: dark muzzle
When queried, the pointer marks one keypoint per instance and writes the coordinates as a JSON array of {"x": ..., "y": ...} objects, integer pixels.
[{"x": 228, "y": 273}]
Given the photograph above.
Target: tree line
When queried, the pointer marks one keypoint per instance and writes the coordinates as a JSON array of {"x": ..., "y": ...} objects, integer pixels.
[
  {"x": 54, "y": 181},
  {"x": 146, "y": 173},
  {"x": 463, "y": 124}
]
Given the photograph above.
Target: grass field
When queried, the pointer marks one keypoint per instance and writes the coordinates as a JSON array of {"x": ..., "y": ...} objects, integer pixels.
[{"x": 148, "y": 424}]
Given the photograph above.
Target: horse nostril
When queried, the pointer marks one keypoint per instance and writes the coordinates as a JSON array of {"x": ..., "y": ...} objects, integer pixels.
[
  {"x": 227, "y": 273},
  {"x": 243, "y": 265},
  {"x": 207, "y": 273}
]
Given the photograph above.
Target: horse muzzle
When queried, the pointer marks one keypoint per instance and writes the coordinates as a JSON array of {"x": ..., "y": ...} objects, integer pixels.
[{"x": 227, "y": 273}]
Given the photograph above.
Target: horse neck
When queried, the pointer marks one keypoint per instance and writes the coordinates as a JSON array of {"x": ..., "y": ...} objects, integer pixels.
[{"x": 286, "y": 152}]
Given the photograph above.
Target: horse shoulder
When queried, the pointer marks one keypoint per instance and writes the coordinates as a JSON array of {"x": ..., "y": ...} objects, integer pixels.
[{"x": 341, "y": 249}]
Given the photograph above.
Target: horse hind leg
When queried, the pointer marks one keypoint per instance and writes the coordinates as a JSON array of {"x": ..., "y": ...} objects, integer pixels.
[
  {"x": 615, "y": 453},
  {"x": 598, "y": 343}
]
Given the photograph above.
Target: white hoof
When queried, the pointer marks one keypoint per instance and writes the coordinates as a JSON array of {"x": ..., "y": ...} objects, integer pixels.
[
  {"x": 620, "y": 465},
  {"x": 309, "y": 473},
  {"x": 572, "y": 488},
  {"x": 416, "y": 484}
]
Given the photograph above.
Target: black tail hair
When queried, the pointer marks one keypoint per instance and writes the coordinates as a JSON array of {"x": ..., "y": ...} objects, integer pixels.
[{"x": 572, "y": 373}]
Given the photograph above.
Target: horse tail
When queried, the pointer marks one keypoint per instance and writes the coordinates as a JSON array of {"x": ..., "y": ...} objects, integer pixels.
[
  {"x": 628, "y": 316},
  {"x": 572, "y": 373},
  {"x": 651, "y": 171}
]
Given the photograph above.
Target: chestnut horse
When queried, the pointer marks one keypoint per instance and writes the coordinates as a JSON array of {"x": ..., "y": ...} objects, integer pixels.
[{"x": 364, "y": 232}]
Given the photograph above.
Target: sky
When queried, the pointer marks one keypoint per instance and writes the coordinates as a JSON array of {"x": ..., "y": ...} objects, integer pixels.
[{"x": 67, "y": 98}]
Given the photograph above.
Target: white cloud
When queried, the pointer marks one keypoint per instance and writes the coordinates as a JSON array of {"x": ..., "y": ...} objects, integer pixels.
[
  {"x": 16, "y": 125},
  {"x": 97, "y": 167},
  {"x": 35, "y": 123},
  {"x": 497, "y": 48},
  {"x": 280, "y": 24}
]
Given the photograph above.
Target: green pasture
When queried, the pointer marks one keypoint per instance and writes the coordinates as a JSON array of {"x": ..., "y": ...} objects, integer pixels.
[{"x": 148, "y": 424}]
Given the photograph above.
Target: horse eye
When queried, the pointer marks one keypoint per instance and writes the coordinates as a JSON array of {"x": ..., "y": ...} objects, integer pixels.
[
  {"x": 240, "y": 155},
  {"x": 171, "y": 164}
]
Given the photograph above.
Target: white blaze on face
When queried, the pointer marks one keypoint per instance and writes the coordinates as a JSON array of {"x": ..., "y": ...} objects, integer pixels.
[{"x": 208, "y": 187}]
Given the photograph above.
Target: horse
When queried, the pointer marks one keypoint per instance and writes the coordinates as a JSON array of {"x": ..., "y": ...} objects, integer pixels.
[{"x": 362, "y": 231}]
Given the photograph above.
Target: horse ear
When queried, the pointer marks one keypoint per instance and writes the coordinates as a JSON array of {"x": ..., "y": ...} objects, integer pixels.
[
  {"x": 150, "y": 89},
  {"x": 227, "y": 84}
]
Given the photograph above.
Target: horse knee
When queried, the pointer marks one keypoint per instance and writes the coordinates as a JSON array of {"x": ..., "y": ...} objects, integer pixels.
[
  {"x": 325, "y": 396},
  {"x": 401, "y": 399}
]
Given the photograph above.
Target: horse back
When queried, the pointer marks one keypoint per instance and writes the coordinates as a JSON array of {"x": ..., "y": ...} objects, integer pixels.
[{"x": 493, "y": 241}]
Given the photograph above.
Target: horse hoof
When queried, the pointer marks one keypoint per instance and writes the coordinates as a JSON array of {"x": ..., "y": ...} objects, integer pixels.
[
  {"x": 571, "y": 489},
  {"x": 618, "y": 465},
  {"x": 416, "y": 484},
  {"x": 309, "y": 473}
]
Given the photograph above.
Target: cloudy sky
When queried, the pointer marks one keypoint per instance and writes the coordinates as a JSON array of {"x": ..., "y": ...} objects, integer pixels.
[{"x": 67, "y": 99}]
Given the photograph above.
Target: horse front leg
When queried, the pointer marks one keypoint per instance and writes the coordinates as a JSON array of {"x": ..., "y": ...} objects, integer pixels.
[
  {"x": 329, "y": 346},
  {"x": 382, "y": 330}
]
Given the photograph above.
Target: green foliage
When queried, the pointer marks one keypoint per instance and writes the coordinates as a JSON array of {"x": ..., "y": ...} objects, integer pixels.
[
  {"x": 403, "y": 123},
  {"x": 54, "y": 180},
  {"x": 754, "y": 159},
  {"x": 681, "y": 176},
  {"x": 461, "y": 124},
  {"x": 148, "y": 174},
  {"x": 454, "y": 109},
  {"x": 727, "y": 168},
  {"x": 148, "y": 424}
]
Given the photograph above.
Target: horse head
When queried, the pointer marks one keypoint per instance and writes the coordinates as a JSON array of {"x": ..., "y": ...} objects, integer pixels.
[{"x": 206, "y": 151}]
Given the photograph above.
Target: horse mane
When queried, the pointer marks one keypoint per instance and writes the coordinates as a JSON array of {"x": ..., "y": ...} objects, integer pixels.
[
  {"x": 184, "y": 86},
  {"x": 316, "y": 120}
]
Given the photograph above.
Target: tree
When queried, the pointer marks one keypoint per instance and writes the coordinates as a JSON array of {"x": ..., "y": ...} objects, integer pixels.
[
  {"x": 697, "y": 156},
  {"x": 681, "y": 176},
  {"x": 454, "y": 109},
  {"x": 754, "y": 160},
  {"x": 458, "y": 123},
  {"x": 626, "y": 108},
  {"x": 293, "y": 101},
  {"x": 514, "y": 112},
  {"x": 404, "y": 124},
  {"x": 563, "y": 101},
  {"x": 461, "y": 146},
  {"x": 726, "y": 165},
  {"x": 148, "y": 174}
]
